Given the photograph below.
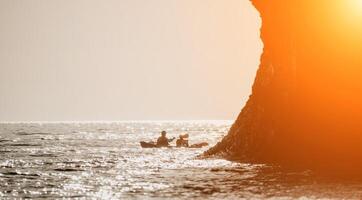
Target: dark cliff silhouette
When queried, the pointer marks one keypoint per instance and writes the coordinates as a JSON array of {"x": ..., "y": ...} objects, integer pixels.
[{"x": 306, "y": 104}]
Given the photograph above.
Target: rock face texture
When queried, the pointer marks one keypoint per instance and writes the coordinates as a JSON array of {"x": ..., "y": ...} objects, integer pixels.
[{"x": 306, "y": 104}]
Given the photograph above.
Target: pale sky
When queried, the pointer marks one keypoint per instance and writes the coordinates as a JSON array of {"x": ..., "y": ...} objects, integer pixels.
[{"x": 126, "y": 59}]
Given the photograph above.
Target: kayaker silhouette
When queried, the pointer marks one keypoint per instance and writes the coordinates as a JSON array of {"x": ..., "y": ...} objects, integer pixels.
[
  {"x": 163, "y": 141},
  {"x": 183, "y": 141}
]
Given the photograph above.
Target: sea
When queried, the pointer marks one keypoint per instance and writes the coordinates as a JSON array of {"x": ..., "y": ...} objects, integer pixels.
[{"x": 104, "y": 160}]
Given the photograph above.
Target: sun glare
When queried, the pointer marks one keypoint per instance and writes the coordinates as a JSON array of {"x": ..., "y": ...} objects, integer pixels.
[
  {"x": 355, "y": 7},
  {"x": 349, "y": 16}
]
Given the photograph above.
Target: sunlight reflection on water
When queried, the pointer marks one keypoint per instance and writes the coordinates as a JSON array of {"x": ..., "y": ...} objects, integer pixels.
[{"x": 105, "y": 161}]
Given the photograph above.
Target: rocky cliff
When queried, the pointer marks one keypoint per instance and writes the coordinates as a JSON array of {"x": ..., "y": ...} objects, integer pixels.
[{"x": 306, "y": 103}]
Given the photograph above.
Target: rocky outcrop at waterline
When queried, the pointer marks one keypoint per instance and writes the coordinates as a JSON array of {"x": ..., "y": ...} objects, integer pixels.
[{"x": 306, "y": 103}]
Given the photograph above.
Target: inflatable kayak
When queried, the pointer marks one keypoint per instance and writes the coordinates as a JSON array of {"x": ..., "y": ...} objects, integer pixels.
[{"x": 153, "y": 145}]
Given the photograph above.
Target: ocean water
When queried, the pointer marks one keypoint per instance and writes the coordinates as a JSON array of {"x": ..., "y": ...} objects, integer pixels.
[{"x": 105, "y": 161}]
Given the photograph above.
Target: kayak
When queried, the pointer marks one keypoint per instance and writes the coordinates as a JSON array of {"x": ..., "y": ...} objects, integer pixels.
[
  {"x": 148, "y": 145},
  {"x": 199, "y": 145},
  {"x": 153, "y": 145}
]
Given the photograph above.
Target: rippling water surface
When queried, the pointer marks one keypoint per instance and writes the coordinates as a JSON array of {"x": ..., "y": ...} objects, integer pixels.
[{"x": 105, "y": 161}]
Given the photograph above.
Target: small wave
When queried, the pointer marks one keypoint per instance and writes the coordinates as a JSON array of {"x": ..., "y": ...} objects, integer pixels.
[
  {"x": 23, "y": 145},
  {"x": 236, "y": 170},
  {"x": 43, "y": 155},
  {"x": 22, "y": 133},
  {"x": 31, "y": 133},
  {"x": 204, "y": 190},
  {"x": 68, "y": 170},
  {"x": 19, "y": 174},
  {"x": 73, "y": 162},
  {"x": 76, "y": 196},
  {"x": 10, "y": 173},
  {"x": 6, "y": 151}
]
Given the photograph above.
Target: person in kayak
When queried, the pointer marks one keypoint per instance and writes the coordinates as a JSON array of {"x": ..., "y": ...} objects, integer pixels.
[
  {"x": 163, "y": 141},
  {"x": 182, "y": 142}
]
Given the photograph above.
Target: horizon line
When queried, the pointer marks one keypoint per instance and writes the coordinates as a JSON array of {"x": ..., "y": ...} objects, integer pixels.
[{"x": 116, "y": 121}]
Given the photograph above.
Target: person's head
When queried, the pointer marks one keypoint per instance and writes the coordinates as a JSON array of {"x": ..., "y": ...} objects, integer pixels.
[
  {"x": 181, "y": 137},
  {"x": 163, "y": 133}
]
